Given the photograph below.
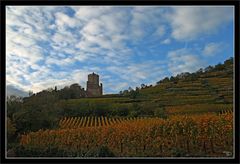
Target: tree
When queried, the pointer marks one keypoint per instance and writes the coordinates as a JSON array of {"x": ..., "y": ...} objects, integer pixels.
[
  {"x": 159, "y": 82},
  {"x": 75, "y": 91},
  {"x": 172, "y": 78},
  {"x": 49, "y": 90},
  {"x": 125, "y": 92},
  {"x": 160, "y": 112},
  {"x": 14, "y": 104},
  {"x": 219, "y": 67},
  {"x": 208, "y": 69},
  {"x": 137, "y": 89},
  {"x": 166, "y": 79},
  {"x": 143, "y": 86},
  {"x": 200, "y": 71},
  {"x": 11, "y": 129},
  {"x": 133, "y": 94},
  {"x": 75, "y": 86},
  {"x": 130, "y": 89},
  {"x": 229, "y": 61},
  {"x": 135, "y": 111}
]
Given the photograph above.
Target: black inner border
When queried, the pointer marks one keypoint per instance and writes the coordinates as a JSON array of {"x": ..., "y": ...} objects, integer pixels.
[{"x": 4, "y": 3}]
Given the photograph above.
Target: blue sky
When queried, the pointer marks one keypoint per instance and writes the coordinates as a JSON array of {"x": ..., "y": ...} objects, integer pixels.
[{"x": 51, "y": 46}]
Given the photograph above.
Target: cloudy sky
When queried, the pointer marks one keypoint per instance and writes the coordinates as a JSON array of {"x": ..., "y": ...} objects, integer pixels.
[{"x": 51, "y": 46}]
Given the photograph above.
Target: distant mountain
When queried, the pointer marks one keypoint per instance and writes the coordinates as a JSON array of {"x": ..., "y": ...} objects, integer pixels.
[{"x": 11, "y": 90}]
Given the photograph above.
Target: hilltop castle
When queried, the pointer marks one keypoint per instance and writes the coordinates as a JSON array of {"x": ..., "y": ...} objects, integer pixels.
[{"x": 93, "y": 87}]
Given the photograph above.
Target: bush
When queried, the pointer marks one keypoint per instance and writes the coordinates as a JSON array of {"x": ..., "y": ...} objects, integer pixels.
[
  {"x": 11, "y": 130},
  {"x": 160, "y": 112},
  {"x": 38, "y": 152},
  {"x": 177, "y": 152},
  {"x": 102, "y": 151}
]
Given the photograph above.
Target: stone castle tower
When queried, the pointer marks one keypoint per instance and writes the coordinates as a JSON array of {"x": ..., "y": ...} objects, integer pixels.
[{"x": 93, "y": 88}]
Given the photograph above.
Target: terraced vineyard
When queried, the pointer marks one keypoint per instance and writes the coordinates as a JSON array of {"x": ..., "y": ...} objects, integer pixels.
[
  {"x": 79, "y": 122},
  {"x": 199, "y": 108},
  {"x": 209, "y": 91}
]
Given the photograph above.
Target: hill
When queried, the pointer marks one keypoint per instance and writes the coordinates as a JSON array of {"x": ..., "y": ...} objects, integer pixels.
[
  {"x": 201, "y": 99},
  {"x": 207, "y": 90},
  {"x": 211, "y": 85}
]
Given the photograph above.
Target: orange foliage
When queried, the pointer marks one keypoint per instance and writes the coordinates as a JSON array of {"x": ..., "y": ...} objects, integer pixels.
[{"x": 197, "y": 134}]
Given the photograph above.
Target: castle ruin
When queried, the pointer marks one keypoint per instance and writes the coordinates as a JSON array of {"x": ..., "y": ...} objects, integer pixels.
[{"x": 93, "y": 87}]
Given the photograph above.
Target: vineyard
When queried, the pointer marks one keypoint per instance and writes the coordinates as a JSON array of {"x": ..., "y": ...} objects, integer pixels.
[
  {"x": 78, "y": 122},
  {"x": 180, "y": 135},
  {"x": 190, "y": 115},
  {"x": 199, "y": 108}
]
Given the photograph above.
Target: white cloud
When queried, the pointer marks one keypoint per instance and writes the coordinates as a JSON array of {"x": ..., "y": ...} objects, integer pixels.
[
  {"x": 189, "y": 23},
  {"x": 146, "y": 20},
  {"x": 183, "y": 60},
  {"x": 25, "y": 28},
  {"x": 103, "y": 37},
  {"x": 23, "y": 40},
  {"x": 160, "y": 31},
  {"x": 60, "y": 62},
  {"x": 48, "y": 83},
  {"x": 32, "y": 53},
  {"x": 48, "y": 45},
  {"x": 93, "y": 27},
  {"x": 87, "y": 13},
  {"x": 133, "y": 75},
  {"x": 136, "y": 74},
  {"x": 64, "y": 42},
  {"x": 115, "y": 86},
  {"x": 106, "y": 30},
  {"x": 166, "y": 41},
  {"x": 64, "y": 20},
  {"x": 80, "y": 76},
  {"x": 212, "y": 49}
]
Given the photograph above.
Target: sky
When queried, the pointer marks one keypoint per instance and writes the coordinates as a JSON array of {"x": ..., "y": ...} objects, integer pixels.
[{"x": 127, "y": 46}]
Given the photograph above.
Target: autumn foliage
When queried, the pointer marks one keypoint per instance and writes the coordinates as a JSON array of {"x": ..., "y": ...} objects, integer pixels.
[{"x": 180, "y": 135}]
